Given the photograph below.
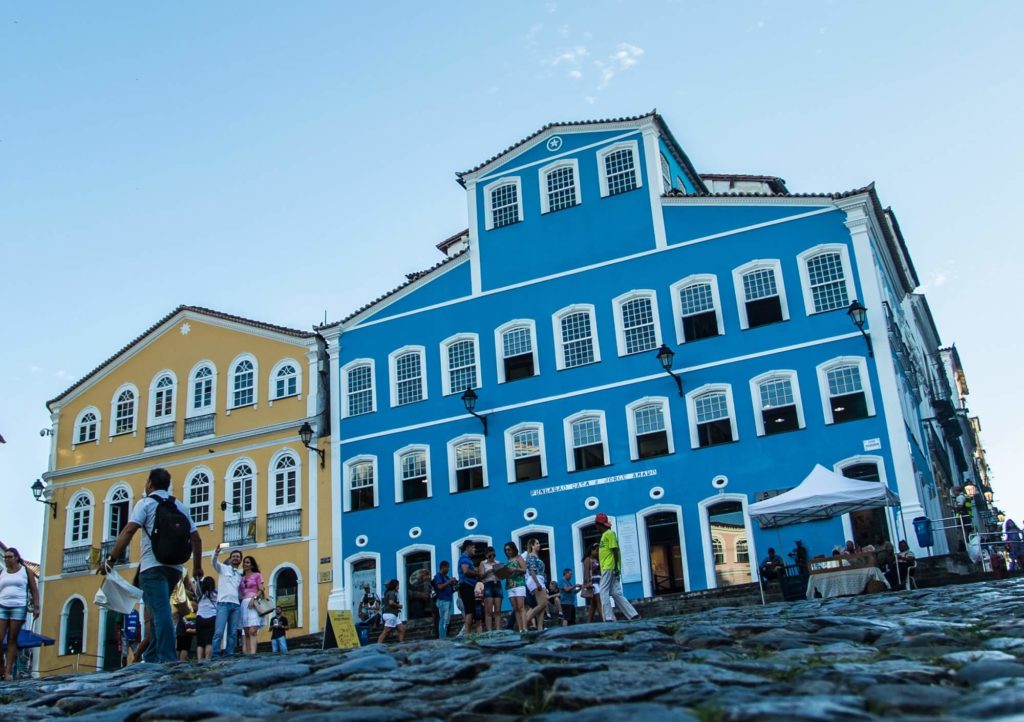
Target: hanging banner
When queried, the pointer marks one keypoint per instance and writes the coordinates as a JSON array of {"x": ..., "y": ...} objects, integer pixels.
[{"x": 629, "y": 547}]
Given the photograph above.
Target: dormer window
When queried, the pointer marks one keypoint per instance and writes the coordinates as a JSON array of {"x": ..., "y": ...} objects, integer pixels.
[
  {"x": 504, "y": 203},
  {"x": 618, "y": 169},
  {"x": 559, "y": 186}
]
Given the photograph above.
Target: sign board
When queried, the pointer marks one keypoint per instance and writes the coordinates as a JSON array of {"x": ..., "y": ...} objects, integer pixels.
[
  {"x": 629, "y": 547},
  {"x": 326, "y": 577},
  {"x": 325, "y": 560},
  {"x": 340, "y": 632},
  {"x": 872, "y": 444}
]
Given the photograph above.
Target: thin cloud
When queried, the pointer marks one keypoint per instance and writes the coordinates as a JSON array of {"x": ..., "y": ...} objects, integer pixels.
[
  {"x": 573, "y": 56},
  {"x": 624, "y": 58}
]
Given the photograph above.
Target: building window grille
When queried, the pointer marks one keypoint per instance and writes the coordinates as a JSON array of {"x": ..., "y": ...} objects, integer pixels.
[
  {"x": 587, "y": 444},
  {"x": 87, "y": 428},
  {"x": 469, "y": 466},
  {"x": 517, "y": 353},
  {"x": 714, "y": 425},
  {"x": 360, "y": 390},
  {"x": 244, "y": 390},
  {"x": 124, "y": 412},
  {"x": 462, "y": 372},
  {"x": 828, "y": 281},
  {"x": 778, "y": 405},
  {"x": 561, "y": 187},
  {"x": 286, "y": 482},
  {"x": 361, "y": 486},
  {"x": 415, "y": 482},
  {"x": 526, "y": 453},
  {"x": 638, "y": 325},
  {"x": 846, "y": 393},
  {"x": 577, "y": 339},
  {"x": 700, "y": 319},
  {"x": 199, "y": 498},
  {"x": 409, "y": 378},
  {"x": 763, "y": 304},
  {"x": 651, "y": 435},
  {"x": 286, "y": 382},
  {"x": 620, "y": 171},
  {"x": 505, "y": 205}
]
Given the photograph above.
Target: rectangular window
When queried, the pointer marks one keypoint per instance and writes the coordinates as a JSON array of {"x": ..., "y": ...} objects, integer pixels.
[
  {"x": 713, "y": 423},
  {"x": 588, "y": 446},
  {"x": 505, "y": 205},
  {"x": 699, "y": 317},
  {"x": 461, "y": 366},
  {"x": 285, "y": 487},
  {"x": 414, "y": 476},
  {"x": 619, "y": 171},
  {"x": 469, "y": 467},
  {"x": 517, "y": 353},
  {"x": 199, "y": 502},
  {"x": 243, "y": 385},
  {"x": 409, "y": 373},
  {"x": 638, "y": 325},
  {"x": 202, "y": 393},
  {"x": 526, "y": 453},
  {"x": 778, "y": 407},
  {"x": 286, "y": 386},
  {"x": 361, "y": 486},
  {"x": 846, "y": 394},
  {"x": 561, "y": 184},
  {"x": 360, "y": 391},
  {"x": 762, "y": 298},
  {"x": 651, "y": 437},
  {"x": 577, "y": 340},
  {"x": 828, "y": 282}
]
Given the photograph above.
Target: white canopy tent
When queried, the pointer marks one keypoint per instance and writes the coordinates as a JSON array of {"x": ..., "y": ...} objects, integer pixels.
[{"x": 822, "y": 495}]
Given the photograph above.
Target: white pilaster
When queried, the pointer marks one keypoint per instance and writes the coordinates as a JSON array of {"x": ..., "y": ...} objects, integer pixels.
[
  {"x": 653, "y": 168},
  {"x": 476, "y": 284},
  {"x": 336, "y": 600},
  {"x": 312, "y": 484}
]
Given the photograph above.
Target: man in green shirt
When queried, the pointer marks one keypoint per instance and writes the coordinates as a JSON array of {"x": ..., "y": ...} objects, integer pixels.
[{"x": 611, "y": 571}]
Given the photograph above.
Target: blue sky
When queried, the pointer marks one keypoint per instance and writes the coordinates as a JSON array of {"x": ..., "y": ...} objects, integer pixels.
[{"x": 284, "y": 161}]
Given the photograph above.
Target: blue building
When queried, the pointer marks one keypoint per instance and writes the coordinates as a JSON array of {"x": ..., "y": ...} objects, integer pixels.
[{"x": 590, "y": 246}]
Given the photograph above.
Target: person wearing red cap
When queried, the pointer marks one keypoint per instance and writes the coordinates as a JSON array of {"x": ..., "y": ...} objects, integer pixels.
[{"x": 611, "y": 570}]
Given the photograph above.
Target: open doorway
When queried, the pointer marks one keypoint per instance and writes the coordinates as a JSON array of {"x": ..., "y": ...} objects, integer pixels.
[
  {"x": 665, "y": 555},
  {"x": 728, "y": 528}
]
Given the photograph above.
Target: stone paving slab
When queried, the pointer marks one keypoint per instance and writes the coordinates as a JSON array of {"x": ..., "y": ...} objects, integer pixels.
[{"x": 952, "y": 653}]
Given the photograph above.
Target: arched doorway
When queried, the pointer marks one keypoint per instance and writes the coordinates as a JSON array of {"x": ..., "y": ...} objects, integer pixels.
[
  {"x": 111, "y": 655},
  {"x": 727, "y": 525},
  {"x": 74, "y": 627},
  {"x": 364, "y": 573},
  {"x": 665, "y": 554},
  {"x": 544, "y": 537},
  {"x": 286, "y": 594},
  {"x": 868, "y": 526},
  {"x": 416, "y": 581}
]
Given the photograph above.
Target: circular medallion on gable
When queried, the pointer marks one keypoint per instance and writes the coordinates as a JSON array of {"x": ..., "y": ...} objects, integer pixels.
[
  {"x": 657, "y": 492},
  {"x": 591, "y": 503},
  {"x": 530, "y": 514},
  {"x": 554, "y": 143},
  {"x": 415, "y": 532},
  {"x": 471, "y": 523},
  {"x": 362, "y": 540}
]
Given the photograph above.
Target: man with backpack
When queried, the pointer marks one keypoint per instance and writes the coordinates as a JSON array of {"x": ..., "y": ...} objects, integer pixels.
[{"x": 169, "y": 540}]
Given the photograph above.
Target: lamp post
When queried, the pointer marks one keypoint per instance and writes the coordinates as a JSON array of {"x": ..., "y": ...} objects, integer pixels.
[
  {"x": 469, "y": 401},
  {"x": 971, "y": 490},
  {"x": 37, "y": 491},
  {"x": 858, "y": 314},
  {"x": 665, "y": 357},
  {"x": 988, "y": 496},
  {"x": 306, "y": 435}
]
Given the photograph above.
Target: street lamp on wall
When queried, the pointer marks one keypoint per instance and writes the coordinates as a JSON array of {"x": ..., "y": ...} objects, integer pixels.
[
  {"x": 469, "y": 401},
  {"x": 988, "y": 496},
  {"x": 306, "y": 435},
  {"x": 858, "y": 314},
  {"x": 37, "y": 492},
  {"x": 971, "y": 490},
  {"x": 665, "y": 356}
]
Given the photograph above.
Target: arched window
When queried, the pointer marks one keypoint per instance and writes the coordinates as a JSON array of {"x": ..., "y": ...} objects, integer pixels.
[
  {"x": 73, "y": 641},
  {"x": 524, "y": 452},
  {"x": 777, "y": 405},
  {"x": 87, "y": 427},
  {"x": 408, "y": 377},
  {"x": 650, "y": 432},
  {"x": 618, "y": 169},
  {"x": 719, "y": 550},
  {"x": 459, "y": 367},
  {"x": 825, "y": 278},
  {"x": 118, "y": 506},
  {"x": 760, "y": 293},
  {"x": 742, "y": 552},
  {"x": 242, "y": 390},
  {"x": 198, "y": 490},
  {"x": 241, "y": 489},
  {"x": 124, "y": 410},
  {"x": 162, "y": 399},
  {"x": 286, "y": 594},
  {"x": 845, "y": 393},
  {"x": 285, "y": 379},
  {"x": 286, "y": 482},
  {"x": 202, "y": 393},
  {"x": 80, "y": 521},
  {"x": 698, "y": 308},
  {"x": 576, "y": 342},
  {"x": 516, "y": 342}
]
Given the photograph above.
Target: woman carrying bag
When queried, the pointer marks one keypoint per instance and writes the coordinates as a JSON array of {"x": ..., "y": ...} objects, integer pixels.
[
  {"x": 250, "y": 588},
  {"x": 15, "y": 586}
]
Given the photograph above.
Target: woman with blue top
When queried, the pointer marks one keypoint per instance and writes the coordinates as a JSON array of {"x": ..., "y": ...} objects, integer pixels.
[{"x": 536, "y": 583}]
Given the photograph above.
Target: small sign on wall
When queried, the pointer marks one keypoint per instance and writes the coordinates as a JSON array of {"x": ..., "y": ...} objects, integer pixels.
[
  {"x": 326, "y": 577},
  {"x": 325, "y": 560},
  {"x": 872, "y": 444}
]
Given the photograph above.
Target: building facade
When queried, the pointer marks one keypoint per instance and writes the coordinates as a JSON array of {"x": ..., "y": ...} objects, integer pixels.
[
  {"x": 218, "y": 401},
  {"x": 589, "y": 247}
]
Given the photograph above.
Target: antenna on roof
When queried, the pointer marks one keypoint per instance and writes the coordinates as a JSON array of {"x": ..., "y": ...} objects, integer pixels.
[{"x": 325, "y": 317}]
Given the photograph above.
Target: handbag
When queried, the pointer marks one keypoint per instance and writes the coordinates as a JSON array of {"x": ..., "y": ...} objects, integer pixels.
[
  {"x": 263, "y": 606},
  {"x": 179, "y": 599},
  {"x": 587, "y": 592}
]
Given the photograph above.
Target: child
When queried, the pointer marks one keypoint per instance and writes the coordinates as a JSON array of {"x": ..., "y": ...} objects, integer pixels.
[
  {"x": 567, "y": 594},
  {"x": 206, "y": 617}
]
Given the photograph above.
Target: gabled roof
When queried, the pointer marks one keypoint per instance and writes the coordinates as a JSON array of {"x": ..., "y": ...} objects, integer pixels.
[
  {"x": 451, "y": 240},
  {"x": 653, "y": 115},
  {"x": 181, "y": 309}
]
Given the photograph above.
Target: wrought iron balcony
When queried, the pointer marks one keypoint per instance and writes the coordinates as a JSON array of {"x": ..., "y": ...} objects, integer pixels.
[
  {"x": 160, "y": 434},
  {"x": 284, "y": 524},
  {"x": 197, "y": 426},
  {"x": 242, "y": 531},
  {"x": 105, "y": 552},
  {"x": 76, "y": 559}
]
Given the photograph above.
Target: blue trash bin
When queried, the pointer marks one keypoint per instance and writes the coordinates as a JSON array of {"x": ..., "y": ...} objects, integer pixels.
[
  {"x": 923, "y": 530},
  {"x": 363, "y": 630}
]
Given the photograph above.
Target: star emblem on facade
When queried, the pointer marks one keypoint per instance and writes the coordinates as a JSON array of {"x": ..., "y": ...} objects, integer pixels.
[
  {"x": 554, "y": 143},
  {"x": 185, "y": 329}
]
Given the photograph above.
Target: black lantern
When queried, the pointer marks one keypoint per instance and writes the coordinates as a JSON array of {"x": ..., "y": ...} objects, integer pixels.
[
  {"x": 858, "y": 314},
  {"x": 665, "y": 357},
  {"x": 469, "y": 399},
  {"x": 306, "y": 435},
  {"x": 37, "y": 492}
]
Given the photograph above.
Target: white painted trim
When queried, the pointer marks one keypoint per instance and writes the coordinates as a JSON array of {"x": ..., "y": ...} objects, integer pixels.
[
  {"x": 397, "y": 457},
  {"x": 64, "y": 613},
  {"x": 822, "y": 370},
  {"x": 542, "y": 182},
  {"x": 666, "y": 411},
  {"x": 567, "y": 423},
  {"x": 89, "y": 511},
  {"x": 403, "y": 577},
  {"x": 272, "y": 481},
  {"x": 232, "y": 373},
  {"x": 510, "y": 463},
  {"x": 604, "y": 387},
  {"x": 472, "y": 212},
  {"x": 453, "y": 485},
  {"x": 645, "y": 544},
  {"x": 186, "y": 490},
  {"x": 474, "y": 338},
  {"x": 677, "y": 303},
  {"x": 738, "y": 200},
  {"x": 879, "y": 463},
  {"x": 300, "y": 591},
  {"x": 741, "y": 298},
  {"x": 705, "y": 535},
  {"x": 755, "y": 396},
  {"x": 805, "y": 279},
  {"x": 393, "y": 373},
  {"x": 75, "y": 431},
  {"x": 347, "y": 466},
  {"x": 630, "y": 145},
  {"x": 620, "y": 331},
  {"x": 488, "y": 189},
  {"x": 272, "y": 380},
  {"x": 335, "y": 542},
  {"x": 499, "y": 345},
  {"x": 151, "y": 418},
  {"x": 518, "y": 535},
  {"x": 113, "y": 411},
  {"x": 691, "y": 410},
  {"x": 108, "y": 508},
  {"x": 652, "y": 158},
  {"x": 349, "y": 562},
  {"x": 190, "y": 408},
  {"x": 348, "y": 368},
  {"x": 556, "y": 326},
  {"x": 229, "y": 480}
]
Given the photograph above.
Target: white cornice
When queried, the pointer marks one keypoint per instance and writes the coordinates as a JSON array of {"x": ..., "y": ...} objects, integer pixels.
[{"x": 745, "y": 201}]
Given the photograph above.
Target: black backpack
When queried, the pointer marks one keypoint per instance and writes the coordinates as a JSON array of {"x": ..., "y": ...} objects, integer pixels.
[{"x": 171, "y": 537}]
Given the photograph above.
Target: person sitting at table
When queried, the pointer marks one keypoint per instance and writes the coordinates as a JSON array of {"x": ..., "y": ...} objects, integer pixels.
[
  {"x": 905, "y": 559},
  {"x": 851, "y": 548},
  {"x": 773, "y": 566},
  {"x": 885, "y": 560}
]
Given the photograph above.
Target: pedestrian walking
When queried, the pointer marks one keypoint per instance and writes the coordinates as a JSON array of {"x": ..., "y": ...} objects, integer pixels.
[
  {"x": 467, "y": 584},
  {"x": 492, "y": 590},
  {"x": 567, "y": 594},
  {"x": 228, "y": 608},
  {"x": 206, "y": 617},
  {"x": 516, "y": 584},
  {"x": 169, "y": 539},
  {"x": 591, "y": 591},
  {"x": 251, "y": 587},
  {"x": 443, "y": 585},
  {"x": 392, "y": 612},
  {"x": 536, "y": 584},
  {"x": 16, "y": 585},
  {"x": 278, "y": 631},
  {"x": 611, "y": 573}
]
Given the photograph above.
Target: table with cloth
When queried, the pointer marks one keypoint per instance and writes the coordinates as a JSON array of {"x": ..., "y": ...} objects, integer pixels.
[{"x": 843, "y": 582}]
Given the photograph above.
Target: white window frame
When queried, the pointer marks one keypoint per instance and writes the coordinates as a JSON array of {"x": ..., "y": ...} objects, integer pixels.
[
  {"x": 347, "y": 477},
  {"x": 510, "y": 459},
  {"x": 542, "y": 175},
  {"x": 393, "y": 373},
  {"x": 604, "y": 152},
  {"x": 186, "y": 492},
  {"x": 231, "y": 382},
  {"x": 677, "y": 303},
  {"x": 229, "y": 479},
  {"x": 755, "y": 396},
  {"x": 398, "y": 470},
  {"x": 151, "y": 418},
  {"x": 499, "y": 345},
  {"x": 556, "y": 326},
  {"x": 805, "y": 276},
  {"x": 453, "y": 484},
  {"x": 634, "y": 453},
  {"x": 356, "y": 363},
  {"x": 691, "y": 411},
  {"x": 775, "y": 265},
  {"x": 108, "y": 508},
  {"x": 620, "y": 330},
  {"x": 272, "y": 504},
  {"x": 64, "y": 614},
  {"x": 865, "y": 381},
  {"x": 190, "y": 408},
  {"x": 79, "y": 423},
  {"x": 489, "y": 208},
  {"x": 89, "y": 510},
  {"x": 272, "y": 387},
  {"x": 113, "y": 411},
  {"x": 568, "y": 421},
  {"x": 474, "y": 338},
  {"x": 299, "y": 592}
]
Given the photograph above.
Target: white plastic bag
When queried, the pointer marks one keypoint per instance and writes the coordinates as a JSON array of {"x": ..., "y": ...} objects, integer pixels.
[
  {"x": 117, "y": 595},
  {"x": 974, "y": 547}
]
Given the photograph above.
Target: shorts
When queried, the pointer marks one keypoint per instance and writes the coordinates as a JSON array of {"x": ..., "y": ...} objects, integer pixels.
[
  {"x": 391, "y": 621},
  {"x": 467, "y": 596},
  {"x": 17, "y": 614},
  {"x": 492, "y": 590},
  {"x": 532, "y": 586},
  {"x": 184, "y": 643},
  {"x": 204, "y": 630},
  {"x": 569, "y": 612},
  {"x": 515, "y": 592}
]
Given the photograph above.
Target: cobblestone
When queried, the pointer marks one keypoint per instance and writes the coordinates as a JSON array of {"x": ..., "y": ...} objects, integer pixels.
[{"x": 947, "y": 653}]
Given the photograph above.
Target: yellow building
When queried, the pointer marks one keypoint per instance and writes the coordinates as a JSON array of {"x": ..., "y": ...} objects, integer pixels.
[{"x": 218, "y": 401}]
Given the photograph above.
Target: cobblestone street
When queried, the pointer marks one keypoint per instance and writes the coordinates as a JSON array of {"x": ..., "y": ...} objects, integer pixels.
[{"x": 951, "y": 652}]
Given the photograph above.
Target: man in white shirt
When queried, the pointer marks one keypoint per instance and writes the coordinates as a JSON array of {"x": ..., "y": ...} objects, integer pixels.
[
  {"x": 230, "y": 577},
  {"x": 156, "y": 579}
]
